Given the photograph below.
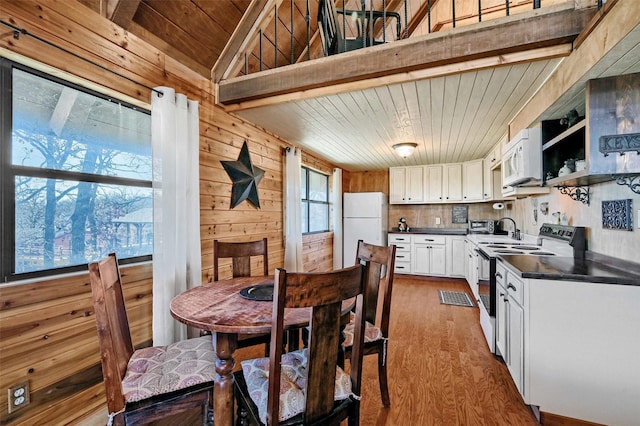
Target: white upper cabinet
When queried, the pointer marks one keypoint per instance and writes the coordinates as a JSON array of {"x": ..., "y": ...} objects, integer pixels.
[
  {"x": 452, "y": 182},
  {"x": 433, "y": 184},
  {"x": 473, "y": 172},
  {"x": 406, "y": 185}
]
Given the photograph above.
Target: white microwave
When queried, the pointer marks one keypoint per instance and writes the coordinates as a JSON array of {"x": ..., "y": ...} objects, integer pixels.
[{"x": 522, "y": 159}]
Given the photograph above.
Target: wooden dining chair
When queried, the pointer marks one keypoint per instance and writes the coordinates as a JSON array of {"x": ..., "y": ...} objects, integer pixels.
[
  {"x": 147, "y": 384},
  {"x": 307, "y": 386},
  {"x": 376, "y": 336},
  {"x": 241, "y": 254}
]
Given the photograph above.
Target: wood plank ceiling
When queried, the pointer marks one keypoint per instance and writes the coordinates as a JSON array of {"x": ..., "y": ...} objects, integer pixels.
[{"x": 454, "y": 115}]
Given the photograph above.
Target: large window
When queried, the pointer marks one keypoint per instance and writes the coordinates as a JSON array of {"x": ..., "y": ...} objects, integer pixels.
[
  {"x": 76, "y": 176},
  {"x": 315, "y": 201}
]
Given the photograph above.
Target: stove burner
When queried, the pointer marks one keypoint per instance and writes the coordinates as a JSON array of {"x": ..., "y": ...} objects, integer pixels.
[
  {"x": 497, "y": 246},
  {"x": 528, "y": 248},
  {"x": 542, "y": 253},
  {"x": 509, "y": 252}
]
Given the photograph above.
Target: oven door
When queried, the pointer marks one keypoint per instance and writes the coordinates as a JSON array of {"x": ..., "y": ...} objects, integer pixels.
[
  {"x": 486, "y": 286},
  {"x": 487, "y": 291}
]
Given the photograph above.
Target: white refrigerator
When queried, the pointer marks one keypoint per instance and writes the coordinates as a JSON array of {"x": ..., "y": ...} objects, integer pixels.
[{"x": 364, "y": 217}]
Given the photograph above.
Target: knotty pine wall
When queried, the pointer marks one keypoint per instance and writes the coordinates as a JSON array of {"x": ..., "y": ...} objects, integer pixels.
[{"x": 47, "y": 328}]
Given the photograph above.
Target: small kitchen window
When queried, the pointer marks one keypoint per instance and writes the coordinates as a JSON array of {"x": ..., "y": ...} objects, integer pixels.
[{"x": 315, "y": 201}]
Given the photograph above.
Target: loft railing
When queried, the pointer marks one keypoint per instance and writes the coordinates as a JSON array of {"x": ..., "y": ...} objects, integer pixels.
[{"x": 345, "y": 25}]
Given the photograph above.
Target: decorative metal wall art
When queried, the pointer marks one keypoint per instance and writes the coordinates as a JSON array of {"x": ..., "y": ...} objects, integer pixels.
[
  {"x": 617, "y": 214},
  {"x": 633, "y": 182},
  {"x": 576, "y": 193},
  {"x": 245, "y": 177}
]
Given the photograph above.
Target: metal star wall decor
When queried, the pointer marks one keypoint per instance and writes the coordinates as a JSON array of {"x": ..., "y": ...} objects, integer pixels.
[{"x": 245, "y": 177}]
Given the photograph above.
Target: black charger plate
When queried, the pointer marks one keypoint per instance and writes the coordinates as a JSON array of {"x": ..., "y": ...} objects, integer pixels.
[{"x": 260, "y": 292}]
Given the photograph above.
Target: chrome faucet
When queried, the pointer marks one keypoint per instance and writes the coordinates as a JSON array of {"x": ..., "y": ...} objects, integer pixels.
[{"x": 516, "y": 231}]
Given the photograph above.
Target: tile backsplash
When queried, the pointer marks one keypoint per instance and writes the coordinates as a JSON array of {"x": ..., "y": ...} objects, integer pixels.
[{"x": 426, "y": 215}]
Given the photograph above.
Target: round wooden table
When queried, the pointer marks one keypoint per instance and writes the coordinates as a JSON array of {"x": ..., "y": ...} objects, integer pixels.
[{"x": 218, "y": 307}]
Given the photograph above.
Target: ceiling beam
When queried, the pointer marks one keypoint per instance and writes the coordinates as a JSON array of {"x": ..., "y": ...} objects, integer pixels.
[
  {"x": 121, "y": 11},
  {"x": 256, "y": 18},
  {"x": 544, "y": 27}
]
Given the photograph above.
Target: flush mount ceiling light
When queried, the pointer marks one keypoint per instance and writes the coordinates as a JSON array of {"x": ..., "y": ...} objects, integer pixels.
[{"x": 405, "y": 149}]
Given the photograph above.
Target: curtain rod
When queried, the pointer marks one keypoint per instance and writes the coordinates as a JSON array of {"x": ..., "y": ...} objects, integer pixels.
[{"x": 16, "y": 35}]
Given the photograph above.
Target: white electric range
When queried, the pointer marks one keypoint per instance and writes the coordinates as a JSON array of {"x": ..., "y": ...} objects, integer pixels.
[{"x": 552, "y": 240}]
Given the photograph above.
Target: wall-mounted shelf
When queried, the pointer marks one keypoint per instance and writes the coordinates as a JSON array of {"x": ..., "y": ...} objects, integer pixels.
[{"x": 568, "y": 145}]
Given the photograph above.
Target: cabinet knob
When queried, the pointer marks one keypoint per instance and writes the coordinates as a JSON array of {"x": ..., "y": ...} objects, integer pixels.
[
  {"x": 440, "y": 198},
  {"x": 511, "y": 287},
  {"x": 498, "y": 274},
  {"x": 465, "y": 197}
]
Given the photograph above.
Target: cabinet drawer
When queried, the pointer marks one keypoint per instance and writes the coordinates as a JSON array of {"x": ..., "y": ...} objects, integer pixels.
[
  {"x": 399, "y": 239},
  {"x": 429, "y": 239},
  {"x": 402, "y": 247},
  {"x": 402, "y": 268},
  {"x": 403, "y": 256},
  {"x": 515, "y": 288}
]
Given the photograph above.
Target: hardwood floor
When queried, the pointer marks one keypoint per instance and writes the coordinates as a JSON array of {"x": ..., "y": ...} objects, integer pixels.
[{"x": 441, "y": 371}]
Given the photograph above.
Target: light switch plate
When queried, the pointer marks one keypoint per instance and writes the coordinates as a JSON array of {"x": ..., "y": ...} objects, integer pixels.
[
  {"x": 437, "y": 221},
  {"x": 638, "y": 218}
]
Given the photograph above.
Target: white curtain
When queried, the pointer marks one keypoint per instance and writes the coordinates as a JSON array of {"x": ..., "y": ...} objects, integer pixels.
[
  {"x": 337, "y": 218},
  {"x": 293, "y": 211},
  {"x": 177, "y": 264}
]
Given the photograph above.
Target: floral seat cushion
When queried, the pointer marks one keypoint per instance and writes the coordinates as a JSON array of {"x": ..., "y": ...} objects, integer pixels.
[
  {"x": 161, "y": 369},
  {"x": 371, "y": 333},
  {"x": 292, "y": 385}
]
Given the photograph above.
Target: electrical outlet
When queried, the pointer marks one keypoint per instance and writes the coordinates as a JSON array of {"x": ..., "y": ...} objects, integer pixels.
[
  {"x": 437, "y": 221},
  {"x": 18, "y": 396},
  {"x": 638, "y": 218}
]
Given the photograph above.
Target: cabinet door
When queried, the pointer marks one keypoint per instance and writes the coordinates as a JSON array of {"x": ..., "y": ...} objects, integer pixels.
[
  {"x": 487, "y": 181},
  {"x": 421, "y": 259},
  {"x": 452, "y": 182},
  {"x": 456, "y": 259},
  {"x": 433, "y": 183},
  {"x": 438, "y": 260},
  {"x": 473, "y": 177},
  {"x": 515, "y": 343},
  {"x": 501, "y": 310},
  {"x": 397, "y": 184},
  {"x": 414, "y": 191}
]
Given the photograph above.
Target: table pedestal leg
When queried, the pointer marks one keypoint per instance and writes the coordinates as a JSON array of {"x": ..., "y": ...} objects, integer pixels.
[{"x": 225, "y": 345}]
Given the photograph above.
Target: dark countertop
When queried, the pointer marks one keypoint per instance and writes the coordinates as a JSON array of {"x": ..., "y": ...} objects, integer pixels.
[
  {"x": 434, "y": 231},
  {"x": 570, "y": 269}
]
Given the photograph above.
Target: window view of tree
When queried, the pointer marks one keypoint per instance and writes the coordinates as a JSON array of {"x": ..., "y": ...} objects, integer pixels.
[
  {"x": 81, "y": 169},
  {"x": 315, "y": 201}
]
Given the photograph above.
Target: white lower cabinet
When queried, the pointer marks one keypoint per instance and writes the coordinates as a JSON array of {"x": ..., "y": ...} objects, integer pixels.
[
  {"x": 421, "y": 254},
  {"x": 403, "y": 252},
  {"x": 501, "y": 311},
  {"x": 510, "y": 323},
  {"x": 429, "y": 255},
  {"x": 570, "y": 346},
  {"x": 515, "y": 342},
  {"x": 456, "y": 264}
]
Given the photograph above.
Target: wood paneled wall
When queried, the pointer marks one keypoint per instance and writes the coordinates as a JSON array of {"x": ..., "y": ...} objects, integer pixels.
[
  {"x": 49, "y": 338},
  {"x": 47, "y": 329},
  {"x": 374, "y": 181}
]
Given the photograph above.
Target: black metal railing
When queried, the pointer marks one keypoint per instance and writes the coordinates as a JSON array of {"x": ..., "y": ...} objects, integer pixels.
[{"x": 345, "y": 25}]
